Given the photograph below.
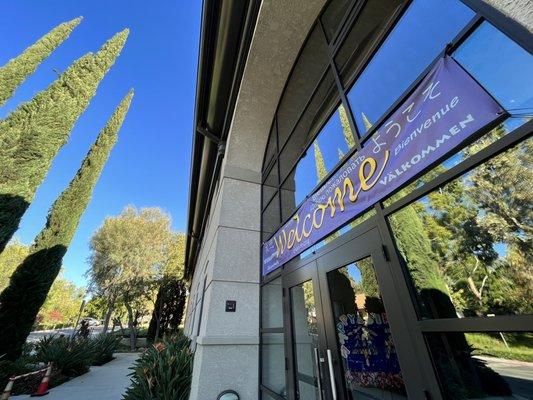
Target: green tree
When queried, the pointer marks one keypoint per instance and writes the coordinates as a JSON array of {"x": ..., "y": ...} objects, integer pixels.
[
  {"x": 321, "y": 170},
  {"x": 171, "y": 294},
  {"x": 346, "y": 130},
  {"x": 19, "y": 68},
  {"x": 130, "y": 254},
  {"x": 21, "y": 300},
  {"x": 31, "y": 136},
  {"x": 366, "y": 122},
  {"x": 14, "y": 253},
  {"x": 62, "y": 304},
  {"x": 501, "y": 190}
]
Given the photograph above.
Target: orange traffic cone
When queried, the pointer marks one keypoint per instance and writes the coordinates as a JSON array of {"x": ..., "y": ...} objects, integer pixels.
[
  {"x": 42, "y": 390},
  {"x": 7, "y": 390}
]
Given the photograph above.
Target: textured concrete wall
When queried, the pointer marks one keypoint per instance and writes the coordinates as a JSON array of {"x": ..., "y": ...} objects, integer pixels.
[
  {"x": 519, "y": 10},
  {"x": 227, "y": 344}
]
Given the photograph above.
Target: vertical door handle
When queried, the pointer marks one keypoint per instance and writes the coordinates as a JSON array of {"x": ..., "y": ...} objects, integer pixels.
[
  {"x": 332, "y": 375},
  {"x": 318, "y": 374}
]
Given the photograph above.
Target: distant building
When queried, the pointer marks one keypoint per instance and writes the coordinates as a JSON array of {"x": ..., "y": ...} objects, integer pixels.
[{"x": 359, "y": 200}]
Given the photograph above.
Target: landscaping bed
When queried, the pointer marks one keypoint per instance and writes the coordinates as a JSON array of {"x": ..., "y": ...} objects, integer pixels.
[{"x": 69, "y": 357}]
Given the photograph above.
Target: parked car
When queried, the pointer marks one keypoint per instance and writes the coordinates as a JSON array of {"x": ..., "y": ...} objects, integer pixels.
[{"x": 92, "y": 321}]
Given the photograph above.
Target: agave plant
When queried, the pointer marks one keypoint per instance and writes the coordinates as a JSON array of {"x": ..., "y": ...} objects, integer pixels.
[
  {"x": 69, "y": 357},
  {"x": 103, "y": 346},
  {"x": 163, "y": 372}
]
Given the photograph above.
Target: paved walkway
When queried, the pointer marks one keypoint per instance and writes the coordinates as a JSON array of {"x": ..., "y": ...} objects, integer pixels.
[{"x": 107, "y": 382}]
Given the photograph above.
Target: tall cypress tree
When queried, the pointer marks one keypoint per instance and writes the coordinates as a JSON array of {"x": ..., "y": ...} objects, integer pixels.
[
  {"x": 19, "y": 68},
  {"x": 346, "y": 130},
  {"x": 21, "y": 300},
  {"x": 320, "y": 165},
  {"x": 31, "y": 136}
]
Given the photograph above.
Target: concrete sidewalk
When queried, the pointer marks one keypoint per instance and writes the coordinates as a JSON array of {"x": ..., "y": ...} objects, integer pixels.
[{"x": 107, "y": 382}]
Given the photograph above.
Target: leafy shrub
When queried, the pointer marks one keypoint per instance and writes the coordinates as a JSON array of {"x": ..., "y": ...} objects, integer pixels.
[
  {"x": 163, "y": 372},
  {"x": 69, "y": 357},
  {"x": 103, "y": 346},
  {"x": 24, "y": 364},
  {"x": 142, "y": 332}
]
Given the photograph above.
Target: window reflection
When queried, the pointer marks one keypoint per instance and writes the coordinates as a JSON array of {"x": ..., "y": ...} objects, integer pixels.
[
  {"x": 420, "y": 35},
  {"x": 333, "y": 15},
  {"x": 368, "y": 354},
  {"x": 307, "y": 71},
  {"x": 305, "y": 339},
  {"x": 272, "y": 357},
  {"x": 315, "y": 115},
  {"x": 272, "y": 304},
  {"x": 270, "y": 185},
  {"x": 333, "y": 142},
  {"x": 468, "y": 246},
  {"x": 504, "y": 68},
  {"x": 483, "y": 365},
  {"x": 271, "y": 217},
  {"x": 370, "y": 25}
]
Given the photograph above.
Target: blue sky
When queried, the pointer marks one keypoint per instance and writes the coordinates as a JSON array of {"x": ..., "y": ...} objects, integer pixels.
[{"x": 150, "y": 164}]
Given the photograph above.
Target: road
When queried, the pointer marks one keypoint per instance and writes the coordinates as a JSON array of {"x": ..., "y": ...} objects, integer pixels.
[
  {"x": 37, "y": 335},
  {"x": 518, "y": 374}
]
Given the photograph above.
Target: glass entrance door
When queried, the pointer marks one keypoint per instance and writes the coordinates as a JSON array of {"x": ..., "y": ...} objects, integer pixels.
[
  {"x": 354, "y": 278},
  {"x": 341, "y": 346},
  {"x": 307, "y": 334},
  {"x": 367, "y": 355}
]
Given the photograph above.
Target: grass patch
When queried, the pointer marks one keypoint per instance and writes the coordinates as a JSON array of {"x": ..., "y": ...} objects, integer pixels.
[{"x": 491, "y": 344}]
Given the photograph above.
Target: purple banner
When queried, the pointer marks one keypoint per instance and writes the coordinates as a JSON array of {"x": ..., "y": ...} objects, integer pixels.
[{"x": 443, "y": 111}]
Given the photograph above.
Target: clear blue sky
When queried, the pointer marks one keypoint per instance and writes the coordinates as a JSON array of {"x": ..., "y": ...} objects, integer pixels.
[{"x": 150, "y": 164}]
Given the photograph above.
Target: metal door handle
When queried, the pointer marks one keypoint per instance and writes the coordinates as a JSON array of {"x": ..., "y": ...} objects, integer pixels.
[
  {"x": 331, "y": 375},
  {"x": 318, "y": 375}
]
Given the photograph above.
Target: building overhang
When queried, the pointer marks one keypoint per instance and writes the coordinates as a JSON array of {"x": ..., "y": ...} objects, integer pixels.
[{"x": 226, "y": 33}]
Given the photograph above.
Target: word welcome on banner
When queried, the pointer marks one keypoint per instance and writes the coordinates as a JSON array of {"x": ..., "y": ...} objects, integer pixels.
[{"x": 442, "y": 112}]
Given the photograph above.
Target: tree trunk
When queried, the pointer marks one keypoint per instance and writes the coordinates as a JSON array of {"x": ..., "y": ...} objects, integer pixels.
[
  {"x": 131, "y": 326},
  {"x": 155, "y": 320},
  {"x": 107, "y": 318}
]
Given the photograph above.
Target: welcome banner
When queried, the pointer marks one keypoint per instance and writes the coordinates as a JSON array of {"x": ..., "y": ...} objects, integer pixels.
[{"x": 443, "y": 111}]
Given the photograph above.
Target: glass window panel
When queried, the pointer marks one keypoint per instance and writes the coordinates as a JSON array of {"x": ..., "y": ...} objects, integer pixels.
[
  {"x": 468, "y": 245},
  {"x": 368, "y": 355},
  {"x": 271, "y": 148},
  {"x": 270, "y": 185},
  {"x": 483, "y": 365},
  {"x": 332, "y": 143},
  {"x": 421, "y": 34},
  {"x": 333, "y": 15},
  {"x": 305, "y": 339},
  {"x": 369, "y": 26},
  {"x": 271, "y": 216},
  {"x": 316, "y": 114},
  {"x": 273, "y": 362},
  {"x": 504, "y": 68},
  {"x": 272, "y": 304},
  {"x": 306, "y": 74}
]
